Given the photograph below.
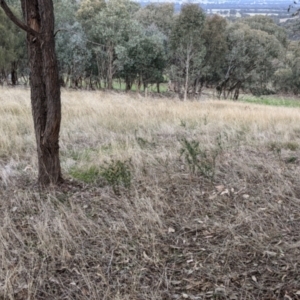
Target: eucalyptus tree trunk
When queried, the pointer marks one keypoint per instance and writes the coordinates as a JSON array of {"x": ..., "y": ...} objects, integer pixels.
[
  {"x": 110, "y": 68},
  {"x": 186, "y": 84},
  {"x": 14, "y": 75},
  {"x": 44, "y": 83},
  {"x": 187, "y": 72},
  {"x": 157, "y": 87}
]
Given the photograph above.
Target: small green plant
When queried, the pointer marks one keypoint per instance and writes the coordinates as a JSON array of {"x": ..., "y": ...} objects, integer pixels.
[
  {"x": 183, "y": 123},
  {"x": 200, "y": 160},
  {"x": 291, "y": 160},
  {"x": 277, "y": 152},
  {"x": 276, "y": 148},
  {"x": 205, "y": 119},
  {"x": 89, "y": 175},
  {"x": 293, "y": 146},
  {"x": 117, "y": 173},
  {"x": 144, "y": 143},
  {"x": 219, "y": 141}
]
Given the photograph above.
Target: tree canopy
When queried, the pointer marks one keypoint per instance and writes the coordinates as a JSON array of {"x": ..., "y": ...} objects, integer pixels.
[{"x": 99, "y": 43}]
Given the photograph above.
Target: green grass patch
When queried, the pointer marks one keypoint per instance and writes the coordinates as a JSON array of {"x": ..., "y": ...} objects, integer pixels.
[
  {"x": 278, "y": 146},
  {"x": 272, "y": 101},
  {"x": 115, "y": 174},
  {"x": 89, "y": 175}
]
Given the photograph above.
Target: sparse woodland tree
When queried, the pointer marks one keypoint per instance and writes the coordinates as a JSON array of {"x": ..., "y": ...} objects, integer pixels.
[
  {"x": 142, "y": 57},
  {"x": 112, "y": 27},
  {"x": 88, "y": 10},
  {"x": 11, "y": 50},
  {"x": 287, "y": 77},
  {"x": 72, "y": 48},
  {"x": 215, "y": 41},
  {"x": 252, "y": 55},
  {"x": 159, "y": 14},
  {"x": 266, "y": 24},
  {"x": 117, "y": 39},
  {"x": 44, "y": 83},
  {"x": 74, "y": 58},
  {"x": 95, "y": 58},
  {"x": 187, "y": 47}
]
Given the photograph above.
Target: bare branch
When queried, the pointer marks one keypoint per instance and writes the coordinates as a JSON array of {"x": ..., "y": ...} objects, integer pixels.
[
  {"x": 15, "y": 20},
  {"x": 61, "y": 29},
  {"x": 94, "y": 43},
  {"x": 72, "y": 31}
]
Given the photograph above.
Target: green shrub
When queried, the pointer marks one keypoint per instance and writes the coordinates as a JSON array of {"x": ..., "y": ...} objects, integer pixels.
[
  {"x": 199, "y": 159},
  {"x": 117, "y": 173}
]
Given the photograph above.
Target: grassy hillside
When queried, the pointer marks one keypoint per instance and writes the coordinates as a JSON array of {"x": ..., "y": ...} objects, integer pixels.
[{"x": 162, "y": 200}]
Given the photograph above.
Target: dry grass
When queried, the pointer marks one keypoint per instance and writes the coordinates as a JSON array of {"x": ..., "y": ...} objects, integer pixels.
[{"x": 174, "y": 234}]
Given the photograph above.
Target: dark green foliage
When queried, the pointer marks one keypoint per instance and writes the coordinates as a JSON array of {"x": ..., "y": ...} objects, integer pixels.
[
  {"x": 187, "y": 48},
  {"x": 287, "y": 77},
  {"x": 253, "y": 55},
  {"x": 215, "y": 41},
  {"x": 259, "y": 91},
  {"x": 87, "y": 11},
  {"x": 12, "y": 48},
  {"x": 159, "y": 14},
  {"x": 188, "y": 25},
  {"x": 99, "y": 42},
  {"x": 291, "y": 160},
  {"x": 142, "y": 58},
  {"x": 266, "y": 24}
]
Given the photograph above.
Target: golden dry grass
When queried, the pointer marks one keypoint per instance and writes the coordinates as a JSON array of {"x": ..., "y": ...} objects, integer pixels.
[{"x": 175, "y": 233}]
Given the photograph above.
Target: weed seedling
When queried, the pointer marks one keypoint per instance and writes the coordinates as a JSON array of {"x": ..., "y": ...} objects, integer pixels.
[
  {"x": 117, "y": 173},
  {"x": 200, "y": 160}
]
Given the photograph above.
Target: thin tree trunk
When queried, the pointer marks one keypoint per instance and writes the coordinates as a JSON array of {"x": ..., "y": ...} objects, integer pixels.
[
  {"x": 110, "y": 69},
  {"x": 99, "y": 69},
  {"x": 5, "y": 76},
  {"x": 91, "y": 82},
  {"x": 146, "y": 89},
  {"x": 68, "y": 78},
  {"x": 2, "y": 78},
  {"x": 186, "y": 85},
  {"x": 139, "y": 84},
  {"x": 237, "y": 91},
  {"x": 128, "y": 84},
  {"x": 14, "y": 76}
]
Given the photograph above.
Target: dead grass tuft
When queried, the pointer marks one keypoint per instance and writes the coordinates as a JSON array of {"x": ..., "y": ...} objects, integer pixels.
[{"x": 172, "y": 233}]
